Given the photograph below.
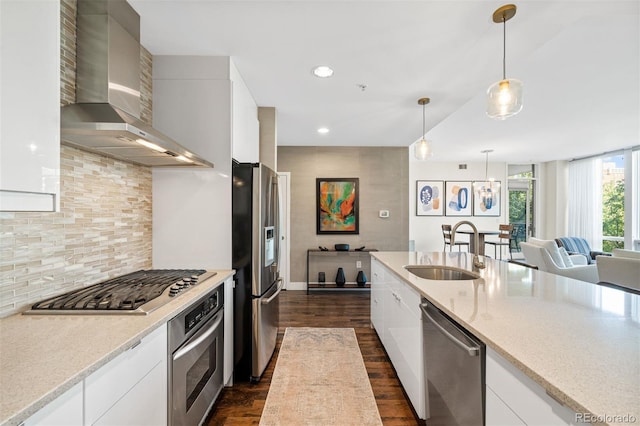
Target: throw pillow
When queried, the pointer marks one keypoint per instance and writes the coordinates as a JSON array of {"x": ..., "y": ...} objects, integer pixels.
[
  {"x": 565, "y": 257},
  {"x": 554, "y": 252}
]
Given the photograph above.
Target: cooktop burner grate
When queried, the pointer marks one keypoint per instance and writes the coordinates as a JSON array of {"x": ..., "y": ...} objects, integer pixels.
[{"x": 123, "y": 293}]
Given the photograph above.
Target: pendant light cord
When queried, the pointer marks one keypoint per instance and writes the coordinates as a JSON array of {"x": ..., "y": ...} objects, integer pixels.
[
  {"x": 504, "y": 48},
  {"x": 423, "y": 120},
  {"x": 486, "y": 167}
]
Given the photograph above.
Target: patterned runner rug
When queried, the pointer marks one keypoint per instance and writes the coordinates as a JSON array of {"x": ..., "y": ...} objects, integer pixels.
[{"x": 320, "y": 379}]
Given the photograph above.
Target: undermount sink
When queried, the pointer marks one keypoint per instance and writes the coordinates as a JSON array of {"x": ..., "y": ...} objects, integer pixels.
[{"x": 445, "y": 273}]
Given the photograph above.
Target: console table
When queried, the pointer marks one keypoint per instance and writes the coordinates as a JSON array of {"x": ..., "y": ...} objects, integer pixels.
[{"x": 328, "y": 261}]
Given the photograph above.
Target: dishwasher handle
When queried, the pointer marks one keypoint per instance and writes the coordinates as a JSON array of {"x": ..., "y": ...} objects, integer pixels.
[{"x": 471, "y": 350}]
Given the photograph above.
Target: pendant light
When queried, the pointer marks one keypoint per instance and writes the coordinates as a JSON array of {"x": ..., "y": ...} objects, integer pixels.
[
  {"x": 504, "y": 98},
  {"x": 487, "y": 190},
  {"x": 423, "y": 149}
]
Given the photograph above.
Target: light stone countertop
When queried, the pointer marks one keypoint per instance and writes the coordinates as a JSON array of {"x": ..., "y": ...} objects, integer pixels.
[
  {"x": 579, "y": 341},
  {"x": 42, "y": 356}
]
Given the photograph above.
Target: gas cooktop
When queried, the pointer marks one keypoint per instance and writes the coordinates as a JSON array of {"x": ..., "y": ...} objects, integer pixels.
[{"x": 139, "y": 292}]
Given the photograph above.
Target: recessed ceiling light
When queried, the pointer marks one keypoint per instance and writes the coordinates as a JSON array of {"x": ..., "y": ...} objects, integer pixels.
[
  {"x": 322, "y": 71},
  {"x": 323, "y": 130}
]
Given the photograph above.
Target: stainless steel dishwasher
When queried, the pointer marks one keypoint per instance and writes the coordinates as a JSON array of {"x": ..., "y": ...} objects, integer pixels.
[{"x": 454, "y": 371}]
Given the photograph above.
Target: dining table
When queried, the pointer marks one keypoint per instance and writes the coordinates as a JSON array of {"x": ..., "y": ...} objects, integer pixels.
[{"x": 472, "y": 238}]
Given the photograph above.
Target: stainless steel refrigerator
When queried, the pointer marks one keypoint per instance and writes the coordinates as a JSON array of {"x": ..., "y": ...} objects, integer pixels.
[{"x": 256, "y": 251}]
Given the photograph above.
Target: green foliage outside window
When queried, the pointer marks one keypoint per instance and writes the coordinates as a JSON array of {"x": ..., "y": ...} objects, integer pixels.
[
  {"x": 517, "y": 206},
  {"x": 613, "y": 214}
]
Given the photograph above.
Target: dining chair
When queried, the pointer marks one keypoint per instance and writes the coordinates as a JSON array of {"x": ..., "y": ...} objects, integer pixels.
[
  {"x": 505, "y": 238},
  {"x": 446, "y": 234}
]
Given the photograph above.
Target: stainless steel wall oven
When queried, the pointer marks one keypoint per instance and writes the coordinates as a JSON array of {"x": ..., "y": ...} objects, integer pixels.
[{"x": 196, "y": 359}]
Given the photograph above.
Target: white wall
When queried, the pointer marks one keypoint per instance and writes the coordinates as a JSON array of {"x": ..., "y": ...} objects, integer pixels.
[{"x": 426, "y": 231}]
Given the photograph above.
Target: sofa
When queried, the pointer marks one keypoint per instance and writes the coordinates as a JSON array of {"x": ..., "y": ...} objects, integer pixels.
[
  {"x": 548, "y": 257},
  {"x": 577, "y": 245},
  {"x": 622, "y": 269}
]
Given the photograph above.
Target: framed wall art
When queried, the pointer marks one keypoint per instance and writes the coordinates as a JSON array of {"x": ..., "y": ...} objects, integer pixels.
[
  {"x": 458, "y": 198},
  {"x": 486, "y": 198},
  {"x": 337, "y": 205},
  {"x": 429, "y": 197}
]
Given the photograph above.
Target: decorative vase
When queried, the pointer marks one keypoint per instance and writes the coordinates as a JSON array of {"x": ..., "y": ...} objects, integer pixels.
[
  {"x": 321, "y": 278},
  {"x": 340, "y": 278},
  {"x": 361, "y": 279}
]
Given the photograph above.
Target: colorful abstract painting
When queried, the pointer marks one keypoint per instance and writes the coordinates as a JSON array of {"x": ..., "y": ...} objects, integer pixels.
[{"x": 337, "y": 205}]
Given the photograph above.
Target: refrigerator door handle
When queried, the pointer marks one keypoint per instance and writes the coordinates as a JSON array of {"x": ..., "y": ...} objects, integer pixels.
[
  {"x": 277, "y": 224},
  {"x": 269, "y": 300}
]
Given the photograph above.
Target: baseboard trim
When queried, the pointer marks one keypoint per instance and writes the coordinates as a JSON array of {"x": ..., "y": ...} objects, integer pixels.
[{"x": 301, "y": 285}]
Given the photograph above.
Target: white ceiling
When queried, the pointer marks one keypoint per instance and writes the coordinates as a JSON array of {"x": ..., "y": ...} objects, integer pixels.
[{"x": 579, "y": 61}]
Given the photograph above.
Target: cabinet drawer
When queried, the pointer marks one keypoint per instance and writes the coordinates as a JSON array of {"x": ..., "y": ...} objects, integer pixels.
[
  {"x": 66, "y": 410},
  {"x": 498, "y": 413},
  {"x": 107, "y": 385},
  {"x": 144, "y": 405},
  {"x": 377, "y": 272},
  {"x": 404, "y": 347},
  {"x": 411, "y": 299},
  {"x": 522, "y": 395}
]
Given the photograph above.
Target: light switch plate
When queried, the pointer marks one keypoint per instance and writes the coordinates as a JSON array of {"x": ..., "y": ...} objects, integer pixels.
[{"x": 383, "y": 213}]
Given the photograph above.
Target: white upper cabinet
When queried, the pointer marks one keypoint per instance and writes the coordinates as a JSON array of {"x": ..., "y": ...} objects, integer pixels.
[
  {"x": 30, "y": 105},
  {"x": 246, "y": 129},
  {"x": 197, "y": 101}
]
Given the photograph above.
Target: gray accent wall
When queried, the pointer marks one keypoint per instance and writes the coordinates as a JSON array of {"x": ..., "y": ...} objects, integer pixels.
[{"x": 383, "y": 174}]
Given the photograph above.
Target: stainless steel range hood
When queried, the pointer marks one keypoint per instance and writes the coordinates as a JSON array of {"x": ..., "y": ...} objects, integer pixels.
[{"x": 105, "y": 118}]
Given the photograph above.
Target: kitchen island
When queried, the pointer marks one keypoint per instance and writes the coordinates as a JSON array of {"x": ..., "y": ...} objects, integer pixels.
[
  {"x": 44, "y": 356},
  {"x": 579, "y": 341}
]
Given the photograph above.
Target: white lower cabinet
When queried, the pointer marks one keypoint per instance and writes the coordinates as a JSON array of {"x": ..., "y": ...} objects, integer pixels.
[
  {"x": 66, "y": 410},
  {"x": 377, "y": 298},
  {"x": 143, "y": 404},
  {"x": 498, "y": 413},
  {"x": 509, "y": 389},
  {"x": 228, "y": 332},
  {"x": 129, "y": 390},
  {"x": 396, "y": 318},
  {"x": 130, "y": 384}
]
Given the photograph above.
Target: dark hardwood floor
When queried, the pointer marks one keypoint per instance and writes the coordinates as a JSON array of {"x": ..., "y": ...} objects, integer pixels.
[{"x": 242, "y": 404}]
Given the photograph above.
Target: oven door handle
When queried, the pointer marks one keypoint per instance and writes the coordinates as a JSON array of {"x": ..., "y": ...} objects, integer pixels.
[
  {"x": 269, "y": 300},
  {"x": 188, "y": 348}
]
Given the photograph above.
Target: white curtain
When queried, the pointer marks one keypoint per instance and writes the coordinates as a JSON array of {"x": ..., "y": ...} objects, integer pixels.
[
  {"x": 585, "y": 201},
  {"x": 636, "y": 199}
]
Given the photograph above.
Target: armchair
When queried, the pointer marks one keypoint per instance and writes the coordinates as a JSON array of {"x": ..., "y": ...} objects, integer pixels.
[
  {"x": 622, "y": 269},
  {"x": 577, "y": 245},
  {"x": 548, "y": 257}
]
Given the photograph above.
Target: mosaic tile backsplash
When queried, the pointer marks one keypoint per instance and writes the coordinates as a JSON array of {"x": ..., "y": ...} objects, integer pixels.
[{"x": 103, "y": 228}]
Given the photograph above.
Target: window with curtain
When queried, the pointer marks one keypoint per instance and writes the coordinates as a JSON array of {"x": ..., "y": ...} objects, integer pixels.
[
  {"x": 636, "y": 199},
  {"x": 613, "y": 202},
  {"x": 604, "y": 200},
  {"x": 585, "y": 201}
]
